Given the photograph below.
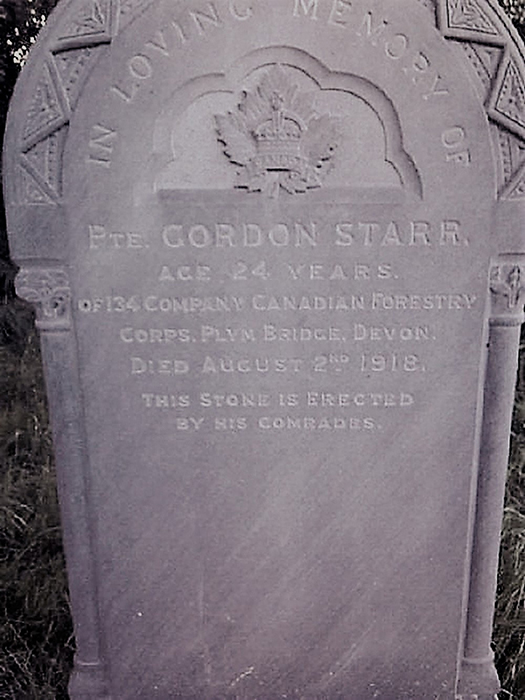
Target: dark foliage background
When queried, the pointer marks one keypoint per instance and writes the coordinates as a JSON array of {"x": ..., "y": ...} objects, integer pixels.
[{"x": 36, "y": 639}]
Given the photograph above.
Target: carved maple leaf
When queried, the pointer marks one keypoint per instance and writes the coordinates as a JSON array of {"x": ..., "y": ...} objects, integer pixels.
[
  {"x": 256, "y": 105},
  {"x": 254, "y": 108},
  {"x": 277, "y": 81},
  {"x": 321, "y": 139},
  {"x": 303, "y": 104},
  {"x": 278, "y": 137},
  {"x": 239, "y": 144}
]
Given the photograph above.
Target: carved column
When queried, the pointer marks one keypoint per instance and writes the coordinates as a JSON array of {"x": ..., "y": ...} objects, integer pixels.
[
  {"x": 48, "y": 288},
  {"x": 478, "y": 679}
]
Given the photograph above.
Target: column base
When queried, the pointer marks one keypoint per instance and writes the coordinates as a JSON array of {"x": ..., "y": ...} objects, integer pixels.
[
  {"x": 478, "y": 680},
  {"x": 88, "y": 682}
]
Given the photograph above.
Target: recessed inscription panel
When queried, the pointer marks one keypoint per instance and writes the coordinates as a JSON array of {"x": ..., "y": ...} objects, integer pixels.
[
  {"x": 283, "y": 292},
  {"x": 276, "y": 364}
]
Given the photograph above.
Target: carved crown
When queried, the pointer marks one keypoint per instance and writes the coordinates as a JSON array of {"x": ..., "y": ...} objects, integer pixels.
[
  {"x": 277, "y": 138},
  {"x": 280, "y": 135}
]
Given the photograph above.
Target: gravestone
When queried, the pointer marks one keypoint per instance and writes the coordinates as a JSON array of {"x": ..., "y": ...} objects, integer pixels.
[{"x": 277, "y": 255}]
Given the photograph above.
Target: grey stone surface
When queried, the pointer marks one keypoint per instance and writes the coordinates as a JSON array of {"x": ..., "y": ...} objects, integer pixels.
[{"x": 277, "y": 253}]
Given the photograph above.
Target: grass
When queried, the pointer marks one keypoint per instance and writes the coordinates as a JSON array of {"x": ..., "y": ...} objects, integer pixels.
[
  {"x": 509, "y": 633},
  {"x": 35, "y": 624}
]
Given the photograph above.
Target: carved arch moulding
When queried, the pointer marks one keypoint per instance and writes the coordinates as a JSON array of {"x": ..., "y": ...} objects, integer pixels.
[{"x": 77, "y": 36}]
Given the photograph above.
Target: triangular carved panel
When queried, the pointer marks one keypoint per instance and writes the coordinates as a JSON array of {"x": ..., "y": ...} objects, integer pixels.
[
  {"x": 490, "y": 57},
  {"x": 93, "y": 24},
  {"x": 507, "y": 103},
  {"x": 44, "y": 162},
  {"x": 464, "y": 19},
  {"x": 485, "y": 60},
  {"x": 130, "y": 10},
  {"x": 73, "y": 67},
  {"x": 49, "y": 109},
  {"x": 515, "y": 190},
  {"x": 31, "y": 190},
  {"x": 467, "y": 14},
  {"x": 517, "y": 151}
]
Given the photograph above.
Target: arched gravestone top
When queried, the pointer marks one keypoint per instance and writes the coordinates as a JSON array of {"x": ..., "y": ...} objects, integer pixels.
[{"x": 276, "y": 250}]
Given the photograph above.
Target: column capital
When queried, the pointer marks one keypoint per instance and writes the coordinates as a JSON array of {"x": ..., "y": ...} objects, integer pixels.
[
  {"x": 49, "y": 289},
  {"x": 507, "y": 290}
]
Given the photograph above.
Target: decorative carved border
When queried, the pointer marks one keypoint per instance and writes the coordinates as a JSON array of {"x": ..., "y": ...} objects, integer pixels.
[
  {"x": 95, "y": 23},
  {"x": 65, "y": 69},
  {"x": 498, "y": 65}
]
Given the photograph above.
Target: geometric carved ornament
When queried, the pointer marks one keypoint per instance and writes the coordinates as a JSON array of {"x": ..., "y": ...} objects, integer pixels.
[{"x": 479, "y": 30}]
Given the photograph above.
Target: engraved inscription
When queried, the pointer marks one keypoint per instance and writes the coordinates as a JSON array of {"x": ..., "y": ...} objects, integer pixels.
[
  {"x": 182, "y": 28},
  {"x": 101, "y": 145},
  {"x": 192, "y": 305},
  {"x": 306, "y": 7},
  {"x": 299, "y": 234},
  {"x": 99, "y": 238},
  {"x": 415, "y": 65},
  {"x": 455, "y": 142},
  {"x": 338, "y": 13},
  {"x": 238, "y": 13},
  {"x": 326, "y": 300},
  {"x": 206, "y": 17}
]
